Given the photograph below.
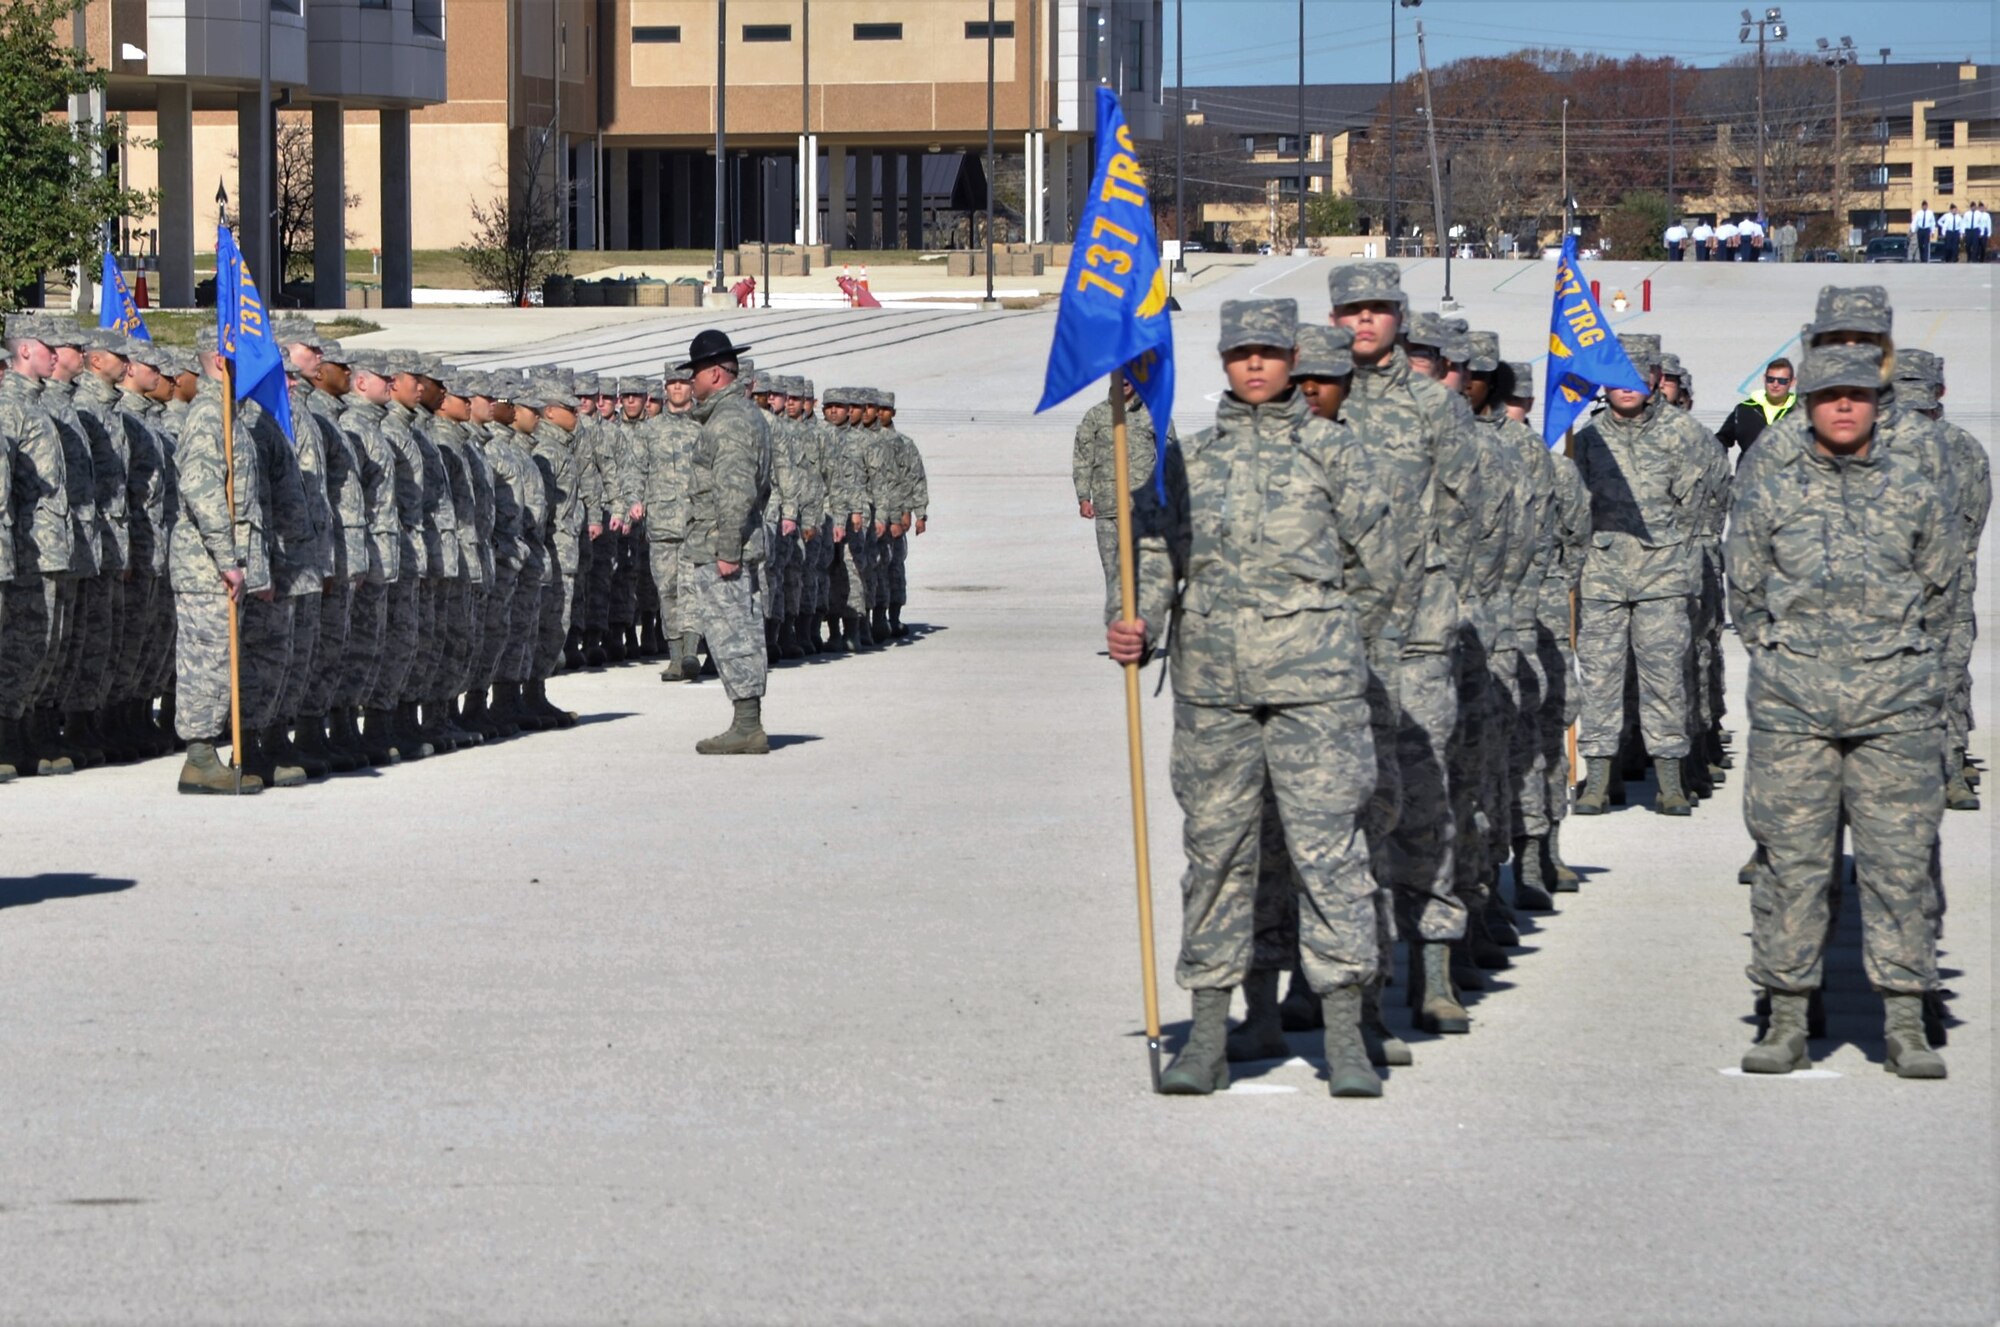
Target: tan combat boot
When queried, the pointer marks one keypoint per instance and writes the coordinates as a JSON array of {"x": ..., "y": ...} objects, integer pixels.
[{"x": 205, "y": 775}]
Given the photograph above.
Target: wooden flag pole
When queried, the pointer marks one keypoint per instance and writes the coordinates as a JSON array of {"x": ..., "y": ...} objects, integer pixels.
[
  {"x": 1128, "y": 597},
  {"x": 1569, "y": 450},
  {"x": 235, "y": 598}
]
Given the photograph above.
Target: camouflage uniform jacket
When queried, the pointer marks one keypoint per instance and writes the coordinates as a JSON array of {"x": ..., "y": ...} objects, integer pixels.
[
  {"x": 530, "y": 485},
  {"x": 1974, "y": 473},
  {"x": 1644, "y": 476},
  {"x": 315, "y": 465},
  {"x": 80, "y": 473},
  {"x": 1531, "y": 542},
  {"x": 812, "y": 455},
  {"x": 381, "y": 488},
  {"x": 508, "y": 470},
  {"x": 729, "y": 479},
  {"x": 664, "y": 444},
  {"x": 147, "y": 485},
  {"x": 345, "y": 491},
  {"x": 175, "y": 413},
  {"x": 1430, "y": 468},
  {"x": 914, "y": 484},
  {"x": 1093, "y": 466},
  {"x": 96, "y": 403},
  {"x": 1838, "y": 568},
  {"x": 872, "y": 465},
  {"x": 39, "y": 489},
  {"x": 301, "y": 546},
  {"x": 6, "y": 507},
  {"x": 206, "y": 542},
  {"x": 844, "y": 491},
  {"x": 448, "y": 436},
  {"x": 1273, "y": 548},
  {"x": 407, "y": 469},
  {"x": 556, "y": 453},
  {"x": 440, "y": 501},
  {"x": 1484, "y": 595}
]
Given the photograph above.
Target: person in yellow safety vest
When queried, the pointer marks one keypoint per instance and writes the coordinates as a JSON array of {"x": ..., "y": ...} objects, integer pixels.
[{"x": 1759, "y": 410}]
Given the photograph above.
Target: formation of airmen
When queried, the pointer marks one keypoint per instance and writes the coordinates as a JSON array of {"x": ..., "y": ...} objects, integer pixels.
[
  {"x": 1373, "y": 569},
  {"x": 414, "y": 563}
]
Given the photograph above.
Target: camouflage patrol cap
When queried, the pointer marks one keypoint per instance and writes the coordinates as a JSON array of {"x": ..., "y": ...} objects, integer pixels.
[
  {"x": 205, "y": 339},
  {"x": 298, "y": 332},
  {"x": 778, "y": 384},
  {"x": 63, "y": 332},
  {"x": 1918, "y": 366},
  {"x": 806, "y": 389},
  {"x": 152, "y": 354},
  {"x": 1670, "y": 366},
  {"x": 864, "y": 397},
  {"x": 1366, "y": 283},
  {"x": 553, "y": 389},
  {"x": 1852, "y": 309},
  {"x": 1642, "y": 350},
  {"x": 632, "y": 387},
  {"x": 398, "y": 362},
  {"x": 108, "y": 339},
  {"x": 1517, "y": 380},
  {"x": 833, "y": 396},
  {"x": 368, "y": 361},
  {"x": 433, "y": 367},
  {"x": 678, "y": 373},
  {"x": 888, "y": 402},
  {"x": 1258, "y": 322},
  {"x": 335, "y": 353},
  {"x": 1483, "y": 354},
  {"x": 1324, "y": 352},
  {"x": 1427, "y": 331},
  {"x": 1827, "y": 367},
  {"x": 582, "y": 384}
]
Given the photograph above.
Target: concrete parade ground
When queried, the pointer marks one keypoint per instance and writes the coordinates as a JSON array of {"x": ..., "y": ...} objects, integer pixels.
[{"x": 584, "y": 1028}]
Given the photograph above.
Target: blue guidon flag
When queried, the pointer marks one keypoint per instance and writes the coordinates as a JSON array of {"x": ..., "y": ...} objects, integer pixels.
[
  {"x": 1114, "y": 300},
  {"x": 244, "y": 332},
  {"x": 116, "y": 309},
  {"x": 1584, "y": 356}
]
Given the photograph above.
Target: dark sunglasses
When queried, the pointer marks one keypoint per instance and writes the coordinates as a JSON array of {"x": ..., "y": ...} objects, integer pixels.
[{"x": 1780, "y": 381}]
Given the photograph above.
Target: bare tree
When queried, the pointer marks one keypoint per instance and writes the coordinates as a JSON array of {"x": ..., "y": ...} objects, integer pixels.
[
  {"x": 1801, "y": 156},
  {"x": 294, "y": 187},
  {"x": 517, "y": 235}
]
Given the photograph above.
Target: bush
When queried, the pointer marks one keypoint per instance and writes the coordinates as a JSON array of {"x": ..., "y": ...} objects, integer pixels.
[{"x": 1634, "y": 227}]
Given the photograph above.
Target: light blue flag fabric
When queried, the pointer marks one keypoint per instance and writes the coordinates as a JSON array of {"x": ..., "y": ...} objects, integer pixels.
[
  {"x": 1114, "y": 299},
  {"x": 116, "y": 309},
  {"x": 1584, "y": 355},
  {"x": 244, "y": 331}
]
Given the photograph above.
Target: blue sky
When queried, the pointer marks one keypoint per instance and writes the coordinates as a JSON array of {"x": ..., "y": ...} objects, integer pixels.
[{"x": 1347, "y": 41}]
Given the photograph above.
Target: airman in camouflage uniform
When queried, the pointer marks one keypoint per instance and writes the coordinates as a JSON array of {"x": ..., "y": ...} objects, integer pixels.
[
  {"x": 1265, "y": 514},
  {"x": 84, "y": 617},
  {"x": 729, "y": 487},
  {"x": 381, "y": 620},
  {"x": 1092, "y": 471},
  {"x": 1841, "y": 555},
  {"x": 40, "y": 591},
  {"x": 664, "y": 442},
  {"x": 1644, "y": 465},
  {"x": 148, "y": 598},
  {"x": 912, "y": 511}
]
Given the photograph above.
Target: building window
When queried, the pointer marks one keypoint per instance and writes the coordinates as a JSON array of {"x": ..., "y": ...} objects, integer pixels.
[
  {"x": 1135, "y": 55},
  {"x": 1982, "y": 131},
  {"x": 767, "y": 32},
  {"x": 1982, "y": 175},
  {"x": 374, "y": 4},
  {"x": 878, "y": 32},
  {"x": 1288, "y": 145},
  {"x": 428, "y": 17},
  {"x": 647, "y": 35},
  {"x": 1944, "y": 133},
  {"x": 1002, "y": 31},
  {"x": 1943, "y": 179},
  {"x": 1093, "y": 37}
]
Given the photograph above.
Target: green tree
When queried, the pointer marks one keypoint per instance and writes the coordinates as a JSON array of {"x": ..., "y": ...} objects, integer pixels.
[
  {"x": 53, "y": 203},
  {"x": 1634, "y": 227},
  {"x": 1331, "y": 214}
]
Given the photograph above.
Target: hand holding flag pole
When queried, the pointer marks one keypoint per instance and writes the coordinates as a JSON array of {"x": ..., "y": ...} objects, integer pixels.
[{"x": 1113, "y": 320}]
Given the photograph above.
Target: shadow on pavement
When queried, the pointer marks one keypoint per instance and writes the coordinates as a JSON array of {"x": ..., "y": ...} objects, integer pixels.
[{"x": 21, "y": 891}]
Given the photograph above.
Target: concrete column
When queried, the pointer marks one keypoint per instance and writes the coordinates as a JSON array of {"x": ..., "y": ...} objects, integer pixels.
[
  {"x": 329, "y": 131},
  {"x": 249, "y": 233},
  {"x": 618, "y": 199},
  {"x": 397, "y": 260},
  {"x": 681, "y": 199},
  {"x": 176, "y": 131},
  {"x": 913, "y": 200},
  {"x": 649, "y": 200},
  {"x": 1059, "y": 179},
  {"x": 864, "y": 198},
  {"x": 808, "y": 190},
  {"x": 891, "y": 191},
  {"x": 836, "y": 196}
]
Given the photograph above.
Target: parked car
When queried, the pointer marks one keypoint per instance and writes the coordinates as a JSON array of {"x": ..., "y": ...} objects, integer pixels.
[
  {"x": 1887, "y": 249},
  {"x": 1821, "y": 256},
  {"x": 1194, "y": 246}
]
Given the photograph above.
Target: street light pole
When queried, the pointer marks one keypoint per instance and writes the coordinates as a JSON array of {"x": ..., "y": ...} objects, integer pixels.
[
  {"x": 1301, "y": 144},
  {"x": 721, "y": 140},
  {"x": 1774, "y": 20},
  {"x": 1568, "y": 220},
  {"x": 1437, "y": 183},
  {"x": 1839, "y": 57},
  {"x": 1180, "y": 140},
  {"x": 1393, "y": 201},
  {"x": 989, "y": 155}
]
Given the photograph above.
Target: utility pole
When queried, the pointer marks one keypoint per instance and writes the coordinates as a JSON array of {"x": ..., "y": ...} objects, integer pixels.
[
  {"x": 1392, "y": 228},
  {"x": 1180, "y": 140},
  {"x": 1673, "y": 199},
  {"x": 1437, "y": 182},
  {"x": 1774, "y": 20},
  {"x": 1300, "y": 247},
  {"x": 1839, "y": 57},
  {"x": 808, "y": 154},
  {"x": 721, "y": 140},
  {"x": 989, "y": 303},
  {"x": 1568, "y": 220}
]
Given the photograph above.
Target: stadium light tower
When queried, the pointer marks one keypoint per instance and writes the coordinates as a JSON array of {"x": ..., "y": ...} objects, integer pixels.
[
  {"x": 1770, "y": 27},
  {"x": 1838, "y": 58}
]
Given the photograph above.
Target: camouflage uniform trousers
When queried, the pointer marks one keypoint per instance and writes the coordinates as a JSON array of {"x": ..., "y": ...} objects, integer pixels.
[
  {"x": 201, "y": 666},
  {"x": 665, "y": 556},
  {"x": 1561, "y": 701},
  {"x": 625, "y": 579},
  {"x": 390, "y": 669},
  {"x": 1705, "y": 614},
  {"x": 796, "y": 575},
  {"x": 1506, "y": 750},
  {"x": 329, "y": 661},
  {"x": 1276, "y": 944},
  {"x": 447, "y": 677},
  {"x": 305, "y": 656},
  {"x": 49, "y": 677},
  {"x": 646, "y": 581},
  {"x": 1962, "y": 631},
  {"x": 595, "y": 595},
  {"x": 728, "y": 613},
  {"x": 1891, "y": 789},
  {"x": 1469, "y": 758},
  {"x": 773, "y": 598},
  {"x": 430, "y": 641},
  {"x": 1107, "y": 556},
  {"x": 28, "y": 635},
  {"x": 1657, "y": 634},
  {"x": 367, "y": 626},
  {"x": 1716, "y": 614},
  {"x": 1529, "y": 813},
  {"x": 95, "y": 643},
  {"x": 493, "y": 662},
  {"x": 467, "y": 674},
  {"x": 160, "y": 669},
  {"x": 1319, "y": 761},
  {"x": 558, "y": 600},
  {"x": 265, "y": 633},
  {"x": 859, "y": 565},
  {"x": 879, "y": 588},
  {"x": 138, "y": 645},
  {"x": 899, "y": 560},
  {"x": 826, "y": 557},
  {"x": 1423, "y": 847}
]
